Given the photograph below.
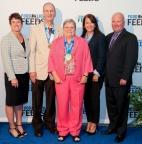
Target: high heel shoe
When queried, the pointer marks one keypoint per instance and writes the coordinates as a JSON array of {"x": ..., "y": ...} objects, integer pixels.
[
  {"x": 15, "y": 134},
  {"x": 87, "y": 127},
  {"x": 23, "y": 133},
  {"x": 93, "y": 129}
]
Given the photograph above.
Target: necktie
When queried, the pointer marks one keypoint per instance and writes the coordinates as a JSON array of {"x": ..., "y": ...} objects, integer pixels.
[
  {"x": 113, "y": 39},
  {"x": 49, "y": 30}
]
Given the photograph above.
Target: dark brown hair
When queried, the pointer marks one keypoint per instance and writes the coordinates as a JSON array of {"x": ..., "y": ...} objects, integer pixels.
[
  {"x": 16, "y": 16},
  {"x": 93, "y": 20}
]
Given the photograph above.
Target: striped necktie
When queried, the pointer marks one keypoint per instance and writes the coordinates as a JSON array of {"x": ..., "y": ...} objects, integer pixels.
[{"x": 113, "y": 39}]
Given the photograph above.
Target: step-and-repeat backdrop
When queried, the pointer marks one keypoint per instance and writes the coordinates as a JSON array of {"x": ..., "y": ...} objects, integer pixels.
[{"x": 31, "y": 11}]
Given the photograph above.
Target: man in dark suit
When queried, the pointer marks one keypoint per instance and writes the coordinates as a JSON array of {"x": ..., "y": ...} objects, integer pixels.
[{"x": 122, "y": 56}]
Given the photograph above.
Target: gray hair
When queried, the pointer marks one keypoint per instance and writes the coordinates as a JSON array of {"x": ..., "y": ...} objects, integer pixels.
[
  {"x": 49, "y": 3},
  {"x": 120, "y": 15},
  {"x": 69, "y": 21}
]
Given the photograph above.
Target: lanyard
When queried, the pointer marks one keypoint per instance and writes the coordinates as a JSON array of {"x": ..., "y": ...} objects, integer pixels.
[
  {"x": 49, "y": 34},
  {"x": 68, "y": 46}
]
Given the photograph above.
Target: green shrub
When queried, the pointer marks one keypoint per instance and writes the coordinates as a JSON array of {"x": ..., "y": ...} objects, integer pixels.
[{"x": 136, "y": 104}]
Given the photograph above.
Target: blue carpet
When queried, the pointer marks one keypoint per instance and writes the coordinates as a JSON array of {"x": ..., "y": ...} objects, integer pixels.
[{"x": 134, "y": 136}]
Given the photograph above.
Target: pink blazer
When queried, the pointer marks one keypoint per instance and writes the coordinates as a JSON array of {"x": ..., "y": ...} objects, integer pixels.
[{"x": 83, "y": 63}]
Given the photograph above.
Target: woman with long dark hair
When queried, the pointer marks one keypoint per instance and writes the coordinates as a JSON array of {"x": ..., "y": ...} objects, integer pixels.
[{"x": 96, "y": 42}]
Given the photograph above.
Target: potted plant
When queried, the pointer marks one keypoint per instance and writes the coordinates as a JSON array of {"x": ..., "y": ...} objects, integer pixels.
[{"x": 136, "y": 103}]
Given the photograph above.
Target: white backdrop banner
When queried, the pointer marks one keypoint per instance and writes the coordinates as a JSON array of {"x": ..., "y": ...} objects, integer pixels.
[{"x": 31, "y": 12}]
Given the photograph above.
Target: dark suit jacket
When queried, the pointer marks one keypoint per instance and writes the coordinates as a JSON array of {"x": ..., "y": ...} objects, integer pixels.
[
  {"x": 97, "y": 47},
  {"x": 121, "y": 59}
]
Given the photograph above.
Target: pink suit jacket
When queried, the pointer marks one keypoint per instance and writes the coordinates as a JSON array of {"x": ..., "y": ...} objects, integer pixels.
[{"x": 81, "y": 53}]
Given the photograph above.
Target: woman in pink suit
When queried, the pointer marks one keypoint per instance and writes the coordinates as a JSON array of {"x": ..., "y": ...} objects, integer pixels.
[{"x": 69, "y": 63}]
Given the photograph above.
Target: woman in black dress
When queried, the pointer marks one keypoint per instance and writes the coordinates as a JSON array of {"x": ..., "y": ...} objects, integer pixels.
[
  {"x": 96, "y": 42},
  {"x": 14, "y": 50}
]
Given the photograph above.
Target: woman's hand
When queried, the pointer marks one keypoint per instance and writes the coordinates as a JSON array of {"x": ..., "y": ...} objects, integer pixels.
[
  {"x": 83, "y": 79},
  {"x": 56, "y": 78},
  {"x": 14, "y": 83},
  {"x": 95, "y": 78}
]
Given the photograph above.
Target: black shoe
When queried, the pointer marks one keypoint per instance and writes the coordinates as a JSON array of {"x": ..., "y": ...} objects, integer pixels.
[
  {"x": 108, "y": 131},
  {"x": 23, "y": 133},
  {"x": 52, "y": 129},
  {"x": 17, "y": 134},
  {"x": 119, "y": 138},
  {"x": 76, "y": 138},
  {"x": 91, "y": 133},
  {"x": 38, "y": 133},
  {"x": 61, "y": 138}
]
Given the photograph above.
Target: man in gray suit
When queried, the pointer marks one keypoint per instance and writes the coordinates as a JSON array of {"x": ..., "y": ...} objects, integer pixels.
[{"x": 41, "y": 37}]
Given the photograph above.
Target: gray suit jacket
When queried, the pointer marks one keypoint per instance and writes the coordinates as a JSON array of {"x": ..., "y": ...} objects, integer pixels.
[{"x": 15, "y": 59}]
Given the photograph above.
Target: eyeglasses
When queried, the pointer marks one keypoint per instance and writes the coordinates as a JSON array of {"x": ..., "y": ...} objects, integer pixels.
[{"x": 68, "y": 27}]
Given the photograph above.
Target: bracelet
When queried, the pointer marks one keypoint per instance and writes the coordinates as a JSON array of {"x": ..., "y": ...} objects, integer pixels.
[{"x": 85, "y": 75}]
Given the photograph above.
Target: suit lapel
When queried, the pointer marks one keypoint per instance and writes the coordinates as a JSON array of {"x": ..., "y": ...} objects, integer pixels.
[
  {"x": 56, "y": 31},
  {"x": 26, "y": 51},
  {"x": 92, "y": 40},
  {"x": 26, "y": 47},
  {"x": 92, "y": 43},
  {"x": 117, "y": 40},
  {"x": 42, "y": 33},
  {"x": 16, "y": 41}
]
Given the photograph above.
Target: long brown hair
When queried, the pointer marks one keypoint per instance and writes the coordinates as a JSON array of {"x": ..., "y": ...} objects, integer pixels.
[{"x": 94, "y": 21}]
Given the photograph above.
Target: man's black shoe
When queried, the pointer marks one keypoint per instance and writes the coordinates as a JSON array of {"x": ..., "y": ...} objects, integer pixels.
[
  {"x": 108, "y": 131},
  {"x": 119, "y": 138},
  {"x": 52, "y": 129},
  {"x": 38, "y": 133}
]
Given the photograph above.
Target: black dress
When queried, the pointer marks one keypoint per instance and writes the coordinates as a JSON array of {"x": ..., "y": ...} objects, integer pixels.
[{"x": 17, "y": 96}]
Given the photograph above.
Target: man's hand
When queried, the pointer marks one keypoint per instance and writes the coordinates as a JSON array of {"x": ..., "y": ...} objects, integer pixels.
[
  {"x": 95, "y": 78},
  {"x": 33, "y": 76},
  {"x": 123, "y": 82}
]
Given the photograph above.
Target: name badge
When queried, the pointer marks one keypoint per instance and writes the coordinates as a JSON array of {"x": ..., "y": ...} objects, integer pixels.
[{"x": 68, "y": 57}]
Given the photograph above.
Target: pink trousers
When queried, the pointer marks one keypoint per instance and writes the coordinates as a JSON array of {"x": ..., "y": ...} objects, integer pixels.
[{"x": 69, "y": 106}]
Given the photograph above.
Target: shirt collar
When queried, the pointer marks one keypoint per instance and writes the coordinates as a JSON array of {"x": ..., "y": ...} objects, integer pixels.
[
  {"x": 71, "y": 42},
  {"x": 52, "y": 28}
]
